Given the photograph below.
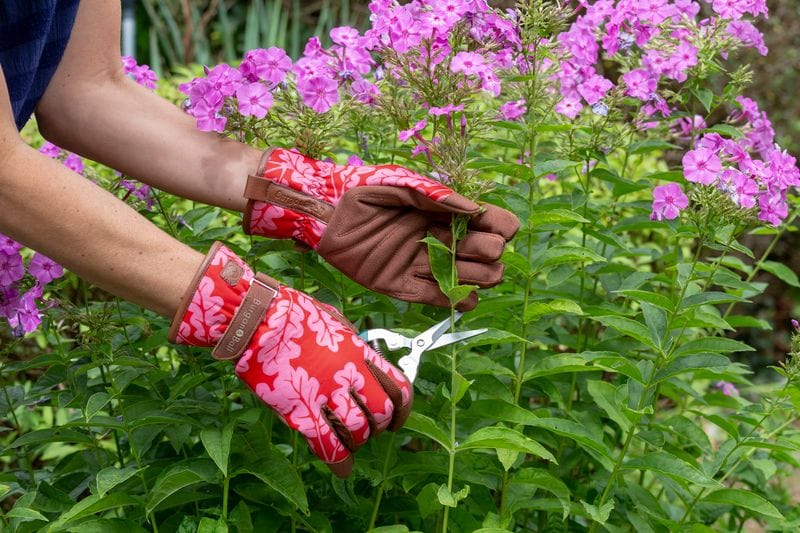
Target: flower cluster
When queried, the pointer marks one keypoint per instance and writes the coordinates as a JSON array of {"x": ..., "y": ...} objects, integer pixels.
[
  {"x": 442, "y": 54},
  {"x": 752, "y": 170},
  {"x": 18, "y": 304},
  {"x": 141, "y": 74}
]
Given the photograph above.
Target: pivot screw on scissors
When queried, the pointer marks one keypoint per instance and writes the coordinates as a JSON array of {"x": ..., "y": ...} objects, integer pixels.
[{"x": 430, "y": 339}]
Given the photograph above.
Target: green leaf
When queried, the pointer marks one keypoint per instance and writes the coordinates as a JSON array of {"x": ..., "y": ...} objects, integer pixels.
[
  {"x": 395, "y": 528},
  {"x": 507, "y": 458},
  {"x": 705, "y": 96},
  {"x": 538, "y": 309},
  {"x": 555, "y": 216},
  {"x": 178, "y": 478},
  {"x": 659, "y": 300},
  {"x": 498, "y": 437},
  {"x": 423, "y": 425},
  {"x": 782, "y": 272},
  {"x": 55, "y": 434},
  {"x": 656, "y": 320},
  {"x": 744, "y": 499},
  {"x": 629, "y": 327},
  {"x": 279, "y": 474},
  {"x": 669, "y": 465},
  {"x": 601, "y": 514},
  {"x": 562, "y": 363},
  {"x": 558, "y": 255},
  {"x": 542, "y": 479},
  {"x": 217, "y": 442},
  {"x": 712, "y": 345},
  {"x": 209, "y": 525},
  {"x": 448, "y": 498},
  {"x": 94, "y": 504},
  {"x": 96, "y": 402},
  {"x": 577, "y": 432},
  {"x": 553, "y": 166},
  {"x": 110, "y": 477},
  {"x": 440, "y": 259},
  {"x": 461, "y": 387},
  {"x": 710, "y": 298},
  {"x": 500, "y": 410},
  {"x": 690, "y": 363},
  {"x": 460, "y": 292},
  {"x": 25, "y": 514},
  {"x": 604, "y": 395},
  {"x": 724, "y": 129}
]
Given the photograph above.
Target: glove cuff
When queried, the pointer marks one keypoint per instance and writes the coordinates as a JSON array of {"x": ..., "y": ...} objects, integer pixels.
[
  {"x": 223, "y": 305},
  {"x": 278, "y": 204}
]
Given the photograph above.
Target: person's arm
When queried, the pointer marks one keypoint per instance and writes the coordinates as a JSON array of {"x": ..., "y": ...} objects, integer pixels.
[
  {"x": 91, "y": 108},
  {"x": 48, "y": 207}
]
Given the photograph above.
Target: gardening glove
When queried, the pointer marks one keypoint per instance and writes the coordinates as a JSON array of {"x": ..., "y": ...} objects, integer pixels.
[
  {"x": 300, "y": 356},
  {"x": 368, "y": 221}
]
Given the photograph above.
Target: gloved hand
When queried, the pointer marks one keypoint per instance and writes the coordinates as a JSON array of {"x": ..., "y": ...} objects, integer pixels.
[
  {"x": 300, "y": 356},
  {"x": 367, "y": 221}
]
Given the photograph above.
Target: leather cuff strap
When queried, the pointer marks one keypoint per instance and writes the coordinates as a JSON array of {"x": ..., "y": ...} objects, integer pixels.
[
  {"x": 266, "y": 190},
  {"x": 247, "y": 318}
]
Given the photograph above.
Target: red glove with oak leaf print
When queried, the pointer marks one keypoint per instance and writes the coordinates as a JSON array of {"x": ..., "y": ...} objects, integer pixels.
[
  {"x": 368, "y": 221},
  {"x": 300, "y": 356}
]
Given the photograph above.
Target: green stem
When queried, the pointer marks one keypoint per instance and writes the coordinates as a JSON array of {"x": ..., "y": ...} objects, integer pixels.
[
  {"x": 662, "y": 359},
  {"x": 382, "y": 486}
]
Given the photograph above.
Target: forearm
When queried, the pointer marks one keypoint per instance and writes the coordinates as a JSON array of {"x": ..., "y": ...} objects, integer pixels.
[
  {"x": 90, "y": 107},
  {"x": 57, "y": 212},
  {"x": 126, "y": 127}
]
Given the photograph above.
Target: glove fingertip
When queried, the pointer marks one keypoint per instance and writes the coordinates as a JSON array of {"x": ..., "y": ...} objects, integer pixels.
[{"x": 343, "y": 468}]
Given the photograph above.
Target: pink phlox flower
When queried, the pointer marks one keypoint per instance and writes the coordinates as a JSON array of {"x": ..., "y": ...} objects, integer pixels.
[
  {"x": 668, "y": 202},
  {"x": 686, "y": 8},
  {"x": 311, "y": 67},
  {"x": 644, "y": 33},
  {"x": 641, "y": 84},
  {"x": 8, "y": 244},
  {"x": 783, "y": 167},
  {"x": 225, "y": 79},
  {"x": 50, "y": 150},
  {"x": 269, "y": 64},
  {"x": 569, "y": 107},
  {"x": 594, "y": 89},
  {"x": 355, "y": 161},
  {"x": 9, "y": 300},
  {"x": 364, "y": 91},
  {"x": 27, "y": 317},
  {"x": 731, "y": 9},
  {"x": 405, "y": 135},
  {"x": 701, "y": 166},
  {"x": 345, "y": 36},
  {"x": 772, "y": 207},
  {"x": 655, "y": 61},
  {"x": 655, "y": 11},
  {"x": 208, "y": 118},
  {"x": 11, "y": 267},
  {"x": 490, "y": 82},
  {"x": 727, "y": 388},
  {"x": 319, "y": 93},
  {"x": 711, "y": 141},
  {"x": 144, "y": 76},
  {"x": 741, "y": 188},
  {"x": 407, "y": 31},
  {"x": 254, "y": 100},
  {"x": 514, "y": 109},
  {"x": 74, "y": 163},
  {"x": 795, "y": 325},
  {"x": 44, "y": 269},
  {"x": 749, "y": 109},
  {"x": 684, "y": 58},
  {"x": 449, "y": 109},
  {"x": 748, "y": 35},
  {"x": 468, "y": 63}
]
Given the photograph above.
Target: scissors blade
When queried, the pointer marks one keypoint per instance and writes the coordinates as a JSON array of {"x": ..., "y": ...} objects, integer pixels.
[
  {"x": 394, "y": 341},
  {"x": 450, "y": 338},
  {"x": 422, "y": 343}
]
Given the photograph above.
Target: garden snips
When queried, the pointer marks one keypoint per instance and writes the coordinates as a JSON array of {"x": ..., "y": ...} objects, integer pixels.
[{"x": 430, "y": 339}]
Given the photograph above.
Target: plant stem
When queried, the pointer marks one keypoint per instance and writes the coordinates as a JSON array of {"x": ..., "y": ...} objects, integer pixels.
[{"x": 382, "y": 486}]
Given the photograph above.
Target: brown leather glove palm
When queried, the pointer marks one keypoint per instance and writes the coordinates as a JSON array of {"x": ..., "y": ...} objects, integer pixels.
[{"x": 368, "y": 221}]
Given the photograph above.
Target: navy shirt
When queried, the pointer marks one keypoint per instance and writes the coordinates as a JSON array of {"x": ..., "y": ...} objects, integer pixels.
[{"x": 33, "y": 36}]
